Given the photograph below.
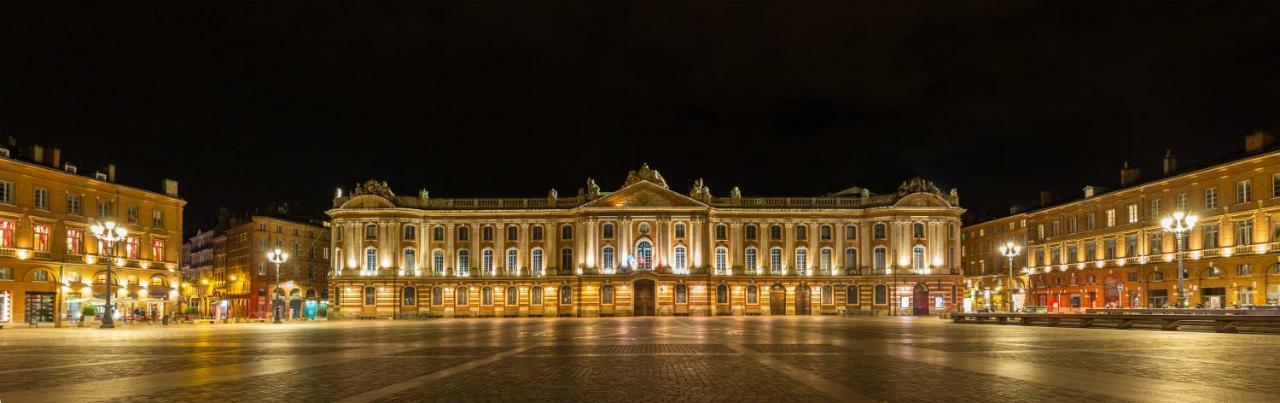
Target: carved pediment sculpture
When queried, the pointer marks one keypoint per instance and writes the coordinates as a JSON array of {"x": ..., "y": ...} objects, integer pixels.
[
  {"x": 645, "y": 174},
  {"x": 373, "y": 187},
  {"x": 917, "y": 185}
]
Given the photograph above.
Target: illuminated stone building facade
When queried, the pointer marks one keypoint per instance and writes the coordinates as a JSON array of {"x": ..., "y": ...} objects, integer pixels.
[
  {"x": 1109, "y": 249},
  {"x": 51, "y": 265},
  {"x": 230, "y": 277},
  {"x": 645, "y": 250},
  {"x": 987, "y": 271}
]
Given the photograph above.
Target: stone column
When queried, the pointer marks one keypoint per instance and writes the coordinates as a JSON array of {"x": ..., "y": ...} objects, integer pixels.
[
  {"x": 525, "y": 254},
  {"x": 500, "y": 252},
  {"x": 450, "y": 234},
  {"x": 788, "y": 250}
]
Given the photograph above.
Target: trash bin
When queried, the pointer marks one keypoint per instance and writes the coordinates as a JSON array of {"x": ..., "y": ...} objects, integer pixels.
[{"x": 164, "y": 321}]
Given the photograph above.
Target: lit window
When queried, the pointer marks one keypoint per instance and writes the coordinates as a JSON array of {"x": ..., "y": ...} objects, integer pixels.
[
  {"x": 917, "y": 257},
  {"x": 680, "y": 259},
  {"x": 753, "y": 294},
  {"x": 486, "y": 262},
  {"x": 370, "y": 259},
  {"x": 41, "y": 241},
  {"x": 566, "y": 295},
  {"x": 775, "y": 260},
  {"x": 157, "y": 250},
  {"x": 751, "y": 259},
  {"x": 1211, "y": 198},
  {"x": 75, "y": 241},
  {"x": 536, "y": 257},
  {"x": 410, "y": 260},
  {"x": 410, "y": 296},
  {"x": 1244, "y": 191},
  {"x": 513, "y": 260},
  {"x": 722, "y": 260},
  {"x": 464, "y": 263},
  {"x": 606, "y": 258}
]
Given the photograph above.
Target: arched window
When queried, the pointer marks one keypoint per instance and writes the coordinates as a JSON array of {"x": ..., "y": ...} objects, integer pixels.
[
  {"x": 824, "y": 259},
  {"x": 851, "y": 232},
  {"x": 486, "y": 296},
  {"x": 371, "y": 231},
  {"x": 878, "y": 230},
  {"x": 486, "y": 261},
  {"x": 682, "y": 294},
  {"x": 486, "y": 233},
  {"x": 535, "y": 296},
  {"x": 722, "y": 294},
  {"x": 917, "y": 257},
  {"x": 566, "y": 259},
  {"x": 460, "y": 296},
  {"x": 566, "y": 231},
  {"x": 607, "y": 231},
  {"x": 606, "y": 294},
  {"x": 606, "y": 257},
  {"x": 370, "y": 296},
  {"x": 437, "y": 262},
  {"x": 917, "y": 230},
  {"x": 775, "y": 260},
  {"x": 880, "y": 260},
  {"x": 753, "y": 295},
  {"x": 750, "y": 259},
  {"x": 751, "y": 232},
  {"x": 464, "y": 262},
  {"x": 410, "y": 232},
  {"x": 644, "y": 255},
  {"x": 536, "y": 233},
  {"x": 851, "y": 295},
  {"x": 851, "y": 258},
  {"x": 513, "y": 296},
  {"x": 824, "y": 232},
  {"x": 679, "y": 230},
  {"x": 775, "y": 232},
  {"x": 722, "y": 260},
  {"x": 370, "y": 259},
  {"x": 513, "y": 233},
  {"x": 802, "y": 232},
  {"x": 437, "y": 233},
  {"x": 464, "y": 233},
  {"x": 881, "y": 295},
  {"x": 680, "y": 259},
  {"x": 410, "y": 260},
  {"x": 566, "y": 295},
  {"x": 722, "y": 232},
  {"x": 802, "y": 260},
  {"x": 409, "y": 296},
  {"x": 513, "y": 260},
  {"x": 828, "y": 297},
  {"x": 437, "y": 296},
  {"x": 536, "y": 257}
]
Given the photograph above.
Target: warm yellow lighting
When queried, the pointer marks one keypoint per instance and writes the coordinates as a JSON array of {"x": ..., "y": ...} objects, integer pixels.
[
  {"x": 204, "y": 281},
  {"x": 1226, "y": 252},
  {"x": 144, "y": 265},
  {"x": 119, "y": 261},
  {"x": 233, "y": 277},
  {"x": 142, "y": 283},
  {"x": 90, "y": 259},
  {"x": 23, "y": 254},
  {"x": 1261, "y": 248}
]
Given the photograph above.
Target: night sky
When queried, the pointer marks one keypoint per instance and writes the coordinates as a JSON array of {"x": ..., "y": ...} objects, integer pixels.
[{"x": 247, "y": 105}]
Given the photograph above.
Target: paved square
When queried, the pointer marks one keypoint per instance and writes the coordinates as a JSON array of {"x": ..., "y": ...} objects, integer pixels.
[{"x": 634, "y": 359}]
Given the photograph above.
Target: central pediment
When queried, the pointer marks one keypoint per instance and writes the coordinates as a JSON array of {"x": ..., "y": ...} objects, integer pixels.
[{"x": 645, "y": 194}]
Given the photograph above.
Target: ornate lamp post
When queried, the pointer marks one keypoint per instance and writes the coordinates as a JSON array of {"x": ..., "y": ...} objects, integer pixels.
[
  {"x": 1179, "y": 224},
  {"x": 276, "y": 256},
  {"x": 1010, "y": 250},
  {"x": 110, "y": 233}
]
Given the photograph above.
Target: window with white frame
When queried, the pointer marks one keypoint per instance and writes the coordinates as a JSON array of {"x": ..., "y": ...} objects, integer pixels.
[
  {"x": 917, "y": 257},
  {"x": 851, "y": 232},
  {"x": 1211, "y": 198},
  {"x": 464, "y": 262},
  {"x": 1244, "y": 191},
  {"x": 73, "y": 204},
  {"x": 879, "y": 258},
  {"x": 437, "y": 262},
  {"x": 750, "y": 259},
  {"x": 722, "y": 260},
  {"x": 1133, "y": 213},
  {"x": 1155, "y": 209},
  {"x": 824, "y": 259},
  {"x": 606, "y": 257},
  {"x": 6, "y": 192},
  {"x": 535, "y": 257},
  {"x": 851, "y": 258},
  {"x": 1111, "y": 217},
  {"x": 513, "y": 260},
  {"x": 42, "y": 198},
  {"x": 1244, "y": 232},
  {"x": 680, "y": 265},
  {"x": 802, "y": 260},
  {"x": 486, "y": 261},
  {"x": 370, "y": 259},
  {"x": 775, "y": 260},
  {"x": 410, "y": 261}
]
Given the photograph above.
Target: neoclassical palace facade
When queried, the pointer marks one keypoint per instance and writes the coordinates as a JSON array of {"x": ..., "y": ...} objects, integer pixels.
[{"x": 644, "y": 250}]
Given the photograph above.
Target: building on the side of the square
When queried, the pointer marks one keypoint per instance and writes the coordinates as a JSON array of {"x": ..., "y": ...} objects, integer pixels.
[
  {"x": 52, "y": 265},
  {"x": 231, "y": 278},
  {"x": 645, "y": 250},
  {"x": 986, "y": 269},
  {"x": 1109, "y": 248}
]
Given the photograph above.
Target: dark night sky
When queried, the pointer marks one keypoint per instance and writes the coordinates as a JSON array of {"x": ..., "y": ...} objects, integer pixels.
[{"x": 250, "y": 104}]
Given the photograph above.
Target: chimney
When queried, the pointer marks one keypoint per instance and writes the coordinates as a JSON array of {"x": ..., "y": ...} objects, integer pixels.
[
  {"x": 1090, "y": 191},
  {"x": 171, "y": 187},
  {"x": 111, "y": 173},
  {"x": 55, "y": 158},
  {"x": 1129, "y": 175},
  {"x": 36, "y": 153},
  {"x": 1046, "y": 197},
  {"x": 1258, "y": 140},
  {"x": 1170, "y": 163}
]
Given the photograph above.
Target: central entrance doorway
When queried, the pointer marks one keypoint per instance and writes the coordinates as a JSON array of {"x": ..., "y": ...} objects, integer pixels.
[
  {"x": 777, "y": 300},
  {"x": 644, "y": 299},
  {"x": 920, "y": 300},
  {"x": 802, "y": 300}
]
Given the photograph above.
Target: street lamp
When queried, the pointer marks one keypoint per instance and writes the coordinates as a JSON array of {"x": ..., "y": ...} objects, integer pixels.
[
  {"x": 276, "y": 256},
  {"x": 1010, "y": 250},
  {"x": 1179, "y": 224},
  {"x": 110, "y": 233}
]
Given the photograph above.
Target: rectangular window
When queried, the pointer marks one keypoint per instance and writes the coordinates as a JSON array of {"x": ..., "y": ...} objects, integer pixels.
[
  {"x": 133, "y": 213},
  {"x": 157, "y": 218},
  {"x": 6, "y": 233},
  {"x": 1111, "y": 217},
  {"x": 722, "y": 232},
  {"x": 1133, "y": 213},
  {"x": 1210, "y": 198},
  {"x": 1244, "y": 270},
  {"x": 1131, "y": 245},
  {"x": 131, "y": 247},
  {"x": 1244, "y": 232},
  {"x": 6, "y": 192},
  {"x": 1039, "y": 231},
  {"x": 850, "y": 232},
  {"x": 1275, "y": 185},
  {"x": 1071, "y": 225},
  {"x": 1073, "y": 253},
  {"x": 1057, "y": 226},
  {"x": 75, "y": 241},
  {"x": 41, "y": 235},
  {"x": 1244, "y": 191},
  {"x": 42, "y": 198},
  {"x": 1155, "y": 209},
  {"x": 1090, "y": 251},
  {"x": 1155, "y": 243},
  {"x": 1109, "y": 248},
  {"x": 73, "y": 204},
  {"x": 1180, "y": 203},
  {"x": 1091, "y": 222},
  {"x": 1210, "y": 236},
  {"x": 157, "y": 250}
]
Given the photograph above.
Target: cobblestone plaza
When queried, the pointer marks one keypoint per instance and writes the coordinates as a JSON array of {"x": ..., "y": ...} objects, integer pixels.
[{"x": 634, "y": 359}]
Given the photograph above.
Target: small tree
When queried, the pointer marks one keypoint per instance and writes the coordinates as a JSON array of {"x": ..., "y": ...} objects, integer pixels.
[
  {"x": 191, "y": 310},
  {"x": 87, "y": 311}
]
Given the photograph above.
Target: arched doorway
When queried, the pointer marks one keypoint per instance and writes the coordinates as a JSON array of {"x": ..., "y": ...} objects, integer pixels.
[
  {"x": 777, "y": 300},
  {"x": 644, "y": 299},
  {"x": 295, "y": 303},
  {"x": 802, "y": 300},
  {"x": 920, "y": 300},
  {"x": 1111, "y": 291}
]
